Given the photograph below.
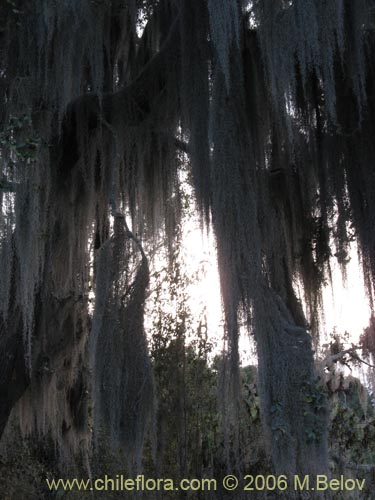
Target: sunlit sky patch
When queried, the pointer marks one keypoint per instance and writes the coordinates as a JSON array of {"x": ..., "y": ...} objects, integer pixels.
[{"x": 345, "y": 304}]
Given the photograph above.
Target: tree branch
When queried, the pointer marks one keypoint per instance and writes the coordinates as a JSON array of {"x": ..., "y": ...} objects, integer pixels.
[
  {"x": 330, "y": 360},
  {"x": 132, "y": 236}
]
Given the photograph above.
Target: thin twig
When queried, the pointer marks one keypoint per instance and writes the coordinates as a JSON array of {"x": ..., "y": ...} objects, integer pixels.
[{"x": 352, "y": 351}]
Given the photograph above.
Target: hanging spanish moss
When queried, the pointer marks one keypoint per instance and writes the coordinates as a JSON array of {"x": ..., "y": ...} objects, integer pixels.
[
  {"x": 272, "y": 104},
  {"x": 122, "y": 379}
]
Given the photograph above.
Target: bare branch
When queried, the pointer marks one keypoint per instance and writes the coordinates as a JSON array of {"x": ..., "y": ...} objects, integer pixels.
[
  {"x": 330, "y": 360},
  {"x": 132, "y": 236}
]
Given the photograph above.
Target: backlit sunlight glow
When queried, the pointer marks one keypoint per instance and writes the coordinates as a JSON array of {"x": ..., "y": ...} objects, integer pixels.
[{"x": 346, "y": 306}]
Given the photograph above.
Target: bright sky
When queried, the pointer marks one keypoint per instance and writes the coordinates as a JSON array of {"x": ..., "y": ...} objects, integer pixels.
[{"x": 346, "y": 305}]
